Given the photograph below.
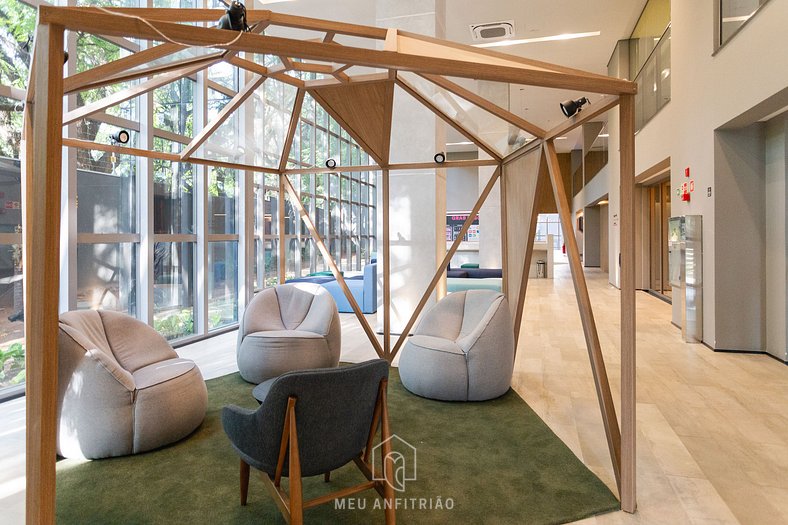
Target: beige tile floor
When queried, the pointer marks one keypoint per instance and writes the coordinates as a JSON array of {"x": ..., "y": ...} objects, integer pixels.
[{"x": 712, "y": 428}]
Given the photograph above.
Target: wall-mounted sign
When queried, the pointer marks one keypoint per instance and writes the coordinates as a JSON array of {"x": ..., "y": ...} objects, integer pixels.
[{"x": 454, "y": 222}]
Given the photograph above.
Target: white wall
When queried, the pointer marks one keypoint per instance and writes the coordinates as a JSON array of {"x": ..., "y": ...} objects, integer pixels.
[{"x": 708, "y": 91}]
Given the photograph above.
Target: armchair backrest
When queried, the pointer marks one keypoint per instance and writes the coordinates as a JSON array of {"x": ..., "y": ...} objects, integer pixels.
[
  {"x": 127, "y": 341},
  {"x": 459, "y": 314},
  {"x": 305, "y": 306},
  {"x": 334, "y": 409}
]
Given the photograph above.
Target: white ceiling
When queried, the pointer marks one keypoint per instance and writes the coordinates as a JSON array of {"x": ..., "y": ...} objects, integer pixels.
[{"x": 615, "y": 20}]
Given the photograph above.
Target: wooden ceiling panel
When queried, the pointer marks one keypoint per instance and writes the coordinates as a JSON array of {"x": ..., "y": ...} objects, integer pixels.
[{"x": 364, "y": 110}]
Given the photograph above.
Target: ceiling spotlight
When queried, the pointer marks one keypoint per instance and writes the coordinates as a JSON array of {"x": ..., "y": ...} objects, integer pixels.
[
  {"x": 331, "y": 164},
  {"x": 120, "y": 137},
  {"x": 440, "y": 157},
  {"x": 570, "y": 107},
  {"x": 234, "y": 18}
]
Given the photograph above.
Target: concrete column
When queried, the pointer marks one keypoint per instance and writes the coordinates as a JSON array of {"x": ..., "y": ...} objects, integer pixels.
[{"x": 417, "y": 198}]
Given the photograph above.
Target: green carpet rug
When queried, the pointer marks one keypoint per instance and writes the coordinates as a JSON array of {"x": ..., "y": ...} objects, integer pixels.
[{"x": 494, "y": 462}]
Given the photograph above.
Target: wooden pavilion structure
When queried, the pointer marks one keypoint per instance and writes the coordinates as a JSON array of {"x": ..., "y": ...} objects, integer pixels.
[{"x": 362, "y": 104}]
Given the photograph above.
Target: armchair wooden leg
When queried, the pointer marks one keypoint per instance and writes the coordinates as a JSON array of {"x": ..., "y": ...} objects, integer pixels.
[
  {"x": 294, "y": 467},
  {"x": 327, "y": 476},
  {"x": 388, "y": 461},
  {"x": 244, "y": 481}
]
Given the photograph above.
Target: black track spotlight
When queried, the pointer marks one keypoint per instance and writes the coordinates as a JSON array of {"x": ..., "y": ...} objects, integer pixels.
[
  {"x": 234, "y": 18},
  {"x": 331, "y": 164},
  {"x": 440, "y": 157},
  {"x": 570, "y": 107},
  {"x": 120, "y": 137}
]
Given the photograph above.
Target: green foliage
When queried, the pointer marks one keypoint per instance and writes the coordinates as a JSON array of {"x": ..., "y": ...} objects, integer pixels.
[
  {"x": 176, "y": 324},
  {"x": 12, "y": 365}
]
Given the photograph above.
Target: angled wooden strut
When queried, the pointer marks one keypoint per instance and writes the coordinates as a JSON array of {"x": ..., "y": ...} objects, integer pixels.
[
  {"x": 295, "y": 115},
  {"x": 446, "y": 118},
  {"x": 133, "y": 91},
  {"x": 485, "y": 104},
  {"x": 445, "y": 262},
  {"x": 91, "y": 76},
  {"x": 598, "y": 369},
  {"x": 373, "y": 339},
  {"x": 204, "y": 134}
]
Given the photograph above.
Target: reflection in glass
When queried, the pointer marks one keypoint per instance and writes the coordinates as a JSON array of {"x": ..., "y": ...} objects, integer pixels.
[
  {"x": 12, "y": 328},
  {"x": 107, "y": 201},
  {"x": 173, "y": 197},
  {"x": 222, "y": 187},
  {"x": 106, "y": 277},
  {"x": 222, "y": 284},
  {"x": 173, "y": 289}
]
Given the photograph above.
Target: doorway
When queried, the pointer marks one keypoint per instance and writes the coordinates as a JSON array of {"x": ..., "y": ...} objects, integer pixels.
[{"x": 659, "y": 214}]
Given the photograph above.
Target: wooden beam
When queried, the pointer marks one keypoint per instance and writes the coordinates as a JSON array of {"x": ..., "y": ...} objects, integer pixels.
[
  {"x": 628, "y": 487},
  {"x": 355, "y": 79},
  {"x": 311, "y": 67},
  {"x": 654, "y": 172},
  {"x": 205, "y": 133},
  {"x": 337, "y": 169},
  {"x": 110, "y": 69},
  {"x": 295, "y": 116},
  {"x": 482, "y": 53},
  {"x": 131, "y": 92},
  {"x": 173, "y": 157},
  {"x": 339, "y": 73},
  {"x": 603, "y": 106},
  {"x": 153, "y": 70},
  {"x": 486, "y": 105},
  {"x": 316, "y": 24},
  {"x": 470, "y": 163},
  {"x": 598, "y": 369},
  {"x": 101, "y": 23},
  {"x": 442, "y": 265},
  {"x": 41, "y": 229},
  {"x": 248, "y": 65},
  {"x": 281, "y": 76},
  {"x": 504, "y": 236},
  {"x": 450, "y": 121},
  {"x": 334, "y": 269}
]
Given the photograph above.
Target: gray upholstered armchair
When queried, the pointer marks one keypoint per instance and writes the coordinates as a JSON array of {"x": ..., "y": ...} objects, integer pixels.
[
  {"x": 288, "y": 327},
  {"x": 122, "y": 389},
  {"x": 462, "y": 350},
  {"x": 312, "y": 422}
]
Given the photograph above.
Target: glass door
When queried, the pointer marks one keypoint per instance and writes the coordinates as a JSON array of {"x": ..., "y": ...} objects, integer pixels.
[{"x": 659, "y": 215}]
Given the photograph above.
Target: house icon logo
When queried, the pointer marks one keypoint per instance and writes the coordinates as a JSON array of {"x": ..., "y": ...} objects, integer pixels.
[{"x": 401, "y": 461}]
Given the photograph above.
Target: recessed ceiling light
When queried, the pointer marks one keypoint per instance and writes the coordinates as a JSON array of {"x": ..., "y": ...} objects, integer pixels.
[
  {"x": 465, "y": 143},
  {"x": 604, "y": 135},
  {"x": 560, "y": 138},
  {"x": 563, "y": 36}
]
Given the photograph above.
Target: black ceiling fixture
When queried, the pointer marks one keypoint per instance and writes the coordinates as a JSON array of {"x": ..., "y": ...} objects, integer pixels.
[
  {"x": 331, "y": 164},
  {"x": 440, "y": 157},
  {"x": 570, "y": 107},
  {"x": 234, "y": 18}
]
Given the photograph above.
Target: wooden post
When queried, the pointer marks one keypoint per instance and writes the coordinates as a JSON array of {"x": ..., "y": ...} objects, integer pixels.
[
  {"x": 606, "y": 405},
  {"x": 43, "y": 152},
  {"x": 386, "y": 268},
  {"x": 628, "y": 490}
]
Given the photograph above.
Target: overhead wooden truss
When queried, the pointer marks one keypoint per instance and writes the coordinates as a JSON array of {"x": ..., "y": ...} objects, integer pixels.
[{"x": 362, "y": 104}]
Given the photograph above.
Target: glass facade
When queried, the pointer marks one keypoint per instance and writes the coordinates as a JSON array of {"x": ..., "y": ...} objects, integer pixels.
[
  {"x": 181, "y": 246},
  {"x": 732, "y": 15}
]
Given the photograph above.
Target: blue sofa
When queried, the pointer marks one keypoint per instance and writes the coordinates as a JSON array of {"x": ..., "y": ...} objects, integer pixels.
[{"x": 363, "y": 287}]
